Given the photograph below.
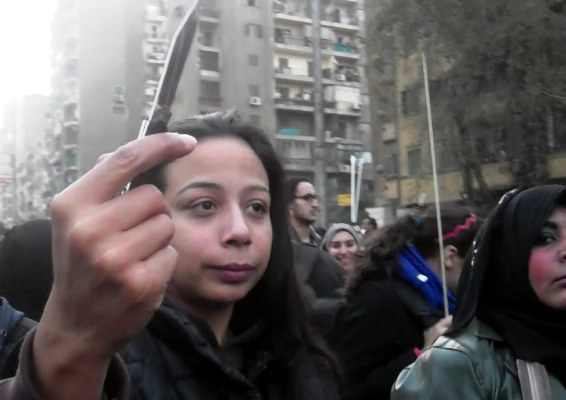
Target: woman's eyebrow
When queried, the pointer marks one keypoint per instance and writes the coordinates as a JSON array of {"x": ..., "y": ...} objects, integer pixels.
[
  {"x": 549, "y": 225},
  {"x": 199, "y": 185}
]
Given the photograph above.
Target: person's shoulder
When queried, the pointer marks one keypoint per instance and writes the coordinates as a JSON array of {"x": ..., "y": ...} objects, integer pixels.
[
  {"x": 370, "y": 291},
  {"x": 474, "y": 358}
]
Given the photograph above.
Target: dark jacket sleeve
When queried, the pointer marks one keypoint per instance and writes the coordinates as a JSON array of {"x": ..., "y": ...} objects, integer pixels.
[
  {"x": 375, "y": 338},
  {"x": 24, "y": 385}
]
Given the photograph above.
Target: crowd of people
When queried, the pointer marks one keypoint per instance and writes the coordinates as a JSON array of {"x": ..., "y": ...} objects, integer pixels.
[{"x": 210, "y": 280}]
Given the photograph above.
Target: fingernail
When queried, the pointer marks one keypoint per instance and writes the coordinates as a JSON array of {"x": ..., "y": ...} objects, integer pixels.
[{"x": 188, "y": 139}]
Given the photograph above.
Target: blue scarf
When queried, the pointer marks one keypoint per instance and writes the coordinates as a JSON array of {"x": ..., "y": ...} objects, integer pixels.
[{"x": 416, "y": 272}]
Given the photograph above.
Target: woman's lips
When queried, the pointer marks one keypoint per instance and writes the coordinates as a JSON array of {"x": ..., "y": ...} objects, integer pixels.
[{"x": 234, "y": 273}]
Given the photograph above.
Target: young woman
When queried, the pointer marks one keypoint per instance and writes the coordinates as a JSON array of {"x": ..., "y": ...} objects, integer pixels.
[
  {"x": 395, "y": 304},
  {"x": 213, "y": 241},
  {"x": 342, "y": 242},
  {"x": 507, "y": 341}
]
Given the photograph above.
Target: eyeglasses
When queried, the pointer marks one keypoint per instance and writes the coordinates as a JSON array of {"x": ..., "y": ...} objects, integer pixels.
[{"x": 310, "y": 197}]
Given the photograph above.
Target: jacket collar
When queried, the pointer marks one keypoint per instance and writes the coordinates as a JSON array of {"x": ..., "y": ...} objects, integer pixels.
[{"x": 484, "y": 331}]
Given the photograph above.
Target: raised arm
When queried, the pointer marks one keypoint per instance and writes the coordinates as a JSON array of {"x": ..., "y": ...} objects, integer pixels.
[{"x": 112, "y": 261}]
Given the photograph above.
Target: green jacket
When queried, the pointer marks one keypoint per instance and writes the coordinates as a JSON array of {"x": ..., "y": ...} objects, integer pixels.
[{"x": 476, "y": 364}]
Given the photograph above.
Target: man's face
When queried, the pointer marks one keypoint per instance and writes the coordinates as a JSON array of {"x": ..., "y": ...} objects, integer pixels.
[{"x": 305, "y": 206}]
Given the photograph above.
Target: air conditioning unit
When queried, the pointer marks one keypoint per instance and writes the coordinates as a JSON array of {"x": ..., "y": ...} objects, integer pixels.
[
  {"x": 356, "y": 107},
  {"x": 341, "y": 77},
  {"x": 255, "y": 101}
]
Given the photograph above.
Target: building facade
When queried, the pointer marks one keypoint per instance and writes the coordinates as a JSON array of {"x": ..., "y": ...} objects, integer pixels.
[{"x": 254, "y": 56}]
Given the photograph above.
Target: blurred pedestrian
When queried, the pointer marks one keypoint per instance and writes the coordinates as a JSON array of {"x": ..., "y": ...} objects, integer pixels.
[
  {"x": 26, "y": 271},
  {"x": 507, "y": 339},
  {"x": 395, "y": 303}
]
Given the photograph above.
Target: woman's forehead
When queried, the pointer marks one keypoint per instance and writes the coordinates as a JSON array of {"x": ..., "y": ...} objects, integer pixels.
[{"x": 220, "y": 156}]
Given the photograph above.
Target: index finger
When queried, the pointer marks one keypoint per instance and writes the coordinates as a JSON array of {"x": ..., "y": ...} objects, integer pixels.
[{"x": 106, "y": 178}]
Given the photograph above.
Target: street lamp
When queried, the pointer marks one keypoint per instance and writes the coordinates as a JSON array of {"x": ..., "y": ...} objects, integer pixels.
[{"x": 356, "y": 172}]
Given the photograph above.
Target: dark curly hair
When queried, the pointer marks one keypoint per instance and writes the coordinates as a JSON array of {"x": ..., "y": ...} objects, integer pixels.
[{"x": 380, "y": 260}]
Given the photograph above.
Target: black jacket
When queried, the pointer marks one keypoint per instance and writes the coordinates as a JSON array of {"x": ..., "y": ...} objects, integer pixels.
[
  {"x": 375, "y": 335},
  {"x": 177, "y": 357}
]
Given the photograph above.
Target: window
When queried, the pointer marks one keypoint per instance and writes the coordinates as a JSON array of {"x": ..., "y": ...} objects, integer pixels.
[
  {"x": 445, "y": 155},
  {"x": 255, "y": 120},
  {"x": 391, "y": 164},
  {"x": 119, "y": 100},
  {"x": 414, "y": 161},
  {"x": 251, "y": 28},
  {"x": 283, "y": 63},
  {"x": 210, "y": 90},
  {"x": 253, "y": 60},
  {"x": 207, "y": 38},
  {"x": 179, "y": 12},
  {"x": 411, "y": 101},
  {"x": 209, "y": 61},
  {"x": 254, "y": 91},
  {"x": 283, "y": 92}
]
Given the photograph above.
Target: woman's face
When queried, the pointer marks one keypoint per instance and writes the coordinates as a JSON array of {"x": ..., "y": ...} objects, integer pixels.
[
  {"x": 343, "y": 247},
  {"x": 220, "y": 201},
  {"x": 547, "y": 262}
]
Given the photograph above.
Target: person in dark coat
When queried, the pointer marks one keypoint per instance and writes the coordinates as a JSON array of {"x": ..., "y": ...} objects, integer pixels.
[
  {"x": 507, "y": 339},
  {"x": 395, "y": 303},
  {"x": 26, "y": 271},
  {"x": 213, "y": 241}
]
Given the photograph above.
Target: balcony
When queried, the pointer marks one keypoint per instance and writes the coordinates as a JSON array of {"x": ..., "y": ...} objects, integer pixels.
[
  {"x": 287, "y": 74},
  {"x": 209, "y": 15},
  {"x": 289, "y": 12},
  {"x": 156, "y": 57},
  {"x": 297, "y": 104},
  {"x": 337, "y": 20},
  {"x": 295, "y": 152},
  {"x": 210, "y": 101},
  {"x": 343, "y": 50},
  {"x": 342, "y": 76},
  {"x": 338, "y": 154},
  {"x": 344, "y": 109},
  {"x": 157, "y": 39},
  {"x": 292, "y": 44},
  {"x": 155, "y": 14}
]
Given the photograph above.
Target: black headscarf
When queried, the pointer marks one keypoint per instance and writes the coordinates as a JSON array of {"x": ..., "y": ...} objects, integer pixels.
[{"x": 495, "y": 285}]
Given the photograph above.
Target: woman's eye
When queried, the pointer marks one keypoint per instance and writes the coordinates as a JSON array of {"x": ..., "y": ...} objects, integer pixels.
[
  {"x": 258, "y": 208},
  {"x": 203, "y": 206},
  {"x": 546, "y": 238}
]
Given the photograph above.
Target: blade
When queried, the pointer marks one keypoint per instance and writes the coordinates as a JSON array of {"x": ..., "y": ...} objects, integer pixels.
[{"x": 175, "y": 62}]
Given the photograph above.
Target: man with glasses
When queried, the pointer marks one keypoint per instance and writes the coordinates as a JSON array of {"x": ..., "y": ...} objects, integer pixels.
[
  {"x": 318, "y": 272},
  {"x": 303, "y": 205}
]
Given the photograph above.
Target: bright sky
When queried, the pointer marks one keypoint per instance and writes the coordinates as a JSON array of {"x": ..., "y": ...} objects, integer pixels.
[{"x": 25, "y": 40}]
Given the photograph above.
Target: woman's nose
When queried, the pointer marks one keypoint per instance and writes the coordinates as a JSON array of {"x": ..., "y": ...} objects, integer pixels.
[{"x": 237, "y": 231}]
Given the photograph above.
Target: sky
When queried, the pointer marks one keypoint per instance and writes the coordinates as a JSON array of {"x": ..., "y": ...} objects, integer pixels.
[{"x": 25, "y": 40}]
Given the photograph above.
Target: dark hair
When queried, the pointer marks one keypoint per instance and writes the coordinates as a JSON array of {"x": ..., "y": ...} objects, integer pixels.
[
  {"x": 372, "y": 222},
  {"x": 459, "y": 226},
  {"x": 26, "y": 271},
  {"x": 291, "y": 188},
  {"x": 276, "y": 299}
]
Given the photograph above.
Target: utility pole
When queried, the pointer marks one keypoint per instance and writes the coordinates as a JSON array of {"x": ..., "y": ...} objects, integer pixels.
[{"x": 319, "y": 151}]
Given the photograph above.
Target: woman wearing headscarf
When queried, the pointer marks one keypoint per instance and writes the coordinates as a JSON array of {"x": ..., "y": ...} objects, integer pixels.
[
  {"x": 395, "y": 304},
  {"x": 509, "y": 331},
  {"x": 342, "y": 242}
]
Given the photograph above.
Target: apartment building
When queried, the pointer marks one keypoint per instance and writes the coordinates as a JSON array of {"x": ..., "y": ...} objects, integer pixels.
[{"x": 255, "y": 56}]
